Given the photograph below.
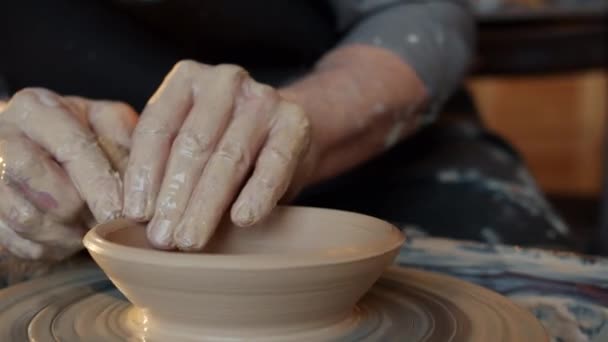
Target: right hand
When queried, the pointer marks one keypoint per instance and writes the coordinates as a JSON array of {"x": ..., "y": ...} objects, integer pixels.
[{"x": 54, "y": 171}]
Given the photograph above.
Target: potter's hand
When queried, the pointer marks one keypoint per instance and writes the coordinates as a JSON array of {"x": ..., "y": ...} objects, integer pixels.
[
  {"x": 51, "y": 164},
  {"x": 196, "y": 141}
]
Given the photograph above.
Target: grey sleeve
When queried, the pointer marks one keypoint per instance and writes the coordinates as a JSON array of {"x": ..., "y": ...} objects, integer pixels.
[{"x": 435, "y": 37}]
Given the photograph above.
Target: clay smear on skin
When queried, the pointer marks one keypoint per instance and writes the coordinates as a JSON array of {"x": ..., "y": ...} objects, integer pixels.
[{"x": 404, "y": 122}]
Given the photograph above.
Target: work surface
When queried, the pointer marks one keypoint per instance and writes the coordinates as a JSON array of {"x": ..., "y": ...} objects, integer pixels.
[{"x": 568, "y": 293}]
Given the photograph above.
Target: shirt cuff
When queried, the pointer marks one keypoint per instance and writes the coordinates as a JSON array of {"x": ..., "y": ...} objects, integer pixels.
[{"x": 435, "y": 38}]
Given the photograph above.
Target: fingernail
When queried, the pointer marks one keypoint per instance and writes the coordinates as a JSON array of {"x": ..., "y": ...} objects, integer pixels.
[
  {"x": 108, "y": 207},
  {"x": 159, "y": 233},
  {"x": 135, "y": 205},
  {"x": 243, "y": 215},
  {"x": 111, "y": 215},
  {"x": 188, "y": 239}
]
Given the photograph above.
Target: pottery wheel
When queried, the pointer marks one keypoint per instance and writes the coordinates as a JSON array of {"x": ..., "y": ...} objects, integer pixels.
[{"x": 405, "y": 304}]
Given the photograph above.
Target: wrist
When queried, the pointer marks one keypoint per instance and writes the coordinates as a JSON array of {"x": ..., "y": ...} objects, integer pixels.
[
  {"x": 355, "y": 98},
  {"x": 306, "y": 93}
]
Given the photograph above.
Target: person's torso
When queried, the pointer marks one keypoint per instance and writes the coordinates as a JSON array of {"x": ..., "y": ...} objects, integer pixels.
[{"x": 270, "y": 33}]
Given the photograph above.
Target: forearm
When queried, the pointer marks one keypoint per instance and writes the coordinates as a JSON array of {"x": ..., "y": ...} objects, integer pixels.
[
  {"x": 361, "y": 100},
  {"x": 434, "y": 37}
]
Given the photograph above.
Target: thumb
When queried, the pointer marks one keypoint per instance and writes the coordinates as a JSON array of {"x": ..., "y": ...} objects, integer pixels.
[{"x": 113, "y": 123}]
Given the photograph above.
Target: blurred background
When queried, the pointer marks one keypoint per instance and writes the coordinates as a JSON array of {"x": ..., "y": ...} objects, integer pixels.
[{"x": 541, "y": 82}]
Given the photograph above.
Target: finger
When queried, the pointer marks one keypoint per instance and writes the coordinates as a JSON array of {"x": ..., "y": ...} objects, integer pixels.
[
  {"x": 30, "y": 170},
  {"x": 227, "y": 166},
  {"x": 77, "y": 107},
  {"x": 17, "y": 245},
  {"x": 41, "y": 115},
  {"x": 113, "y": 120},
  {"x": 288, "y": 140},
  {"x": 113, "y": 123},
  {"x": 193, "y": 146},
  {"x": 32, "y": 224},
  {"x": 152, "y": 138}
]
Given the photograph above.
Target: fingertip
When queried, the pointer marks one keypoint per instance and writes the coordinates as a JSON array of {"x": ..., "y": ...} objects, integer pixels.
[
  {"x": 107, "y": 211},
  {"x": 103, "y": 195},
  {"x": 243, "y": 215},
  {"x": 189, "y": 239},
  {"x": 111, "y": 214},
  {"x": 36, "y": 252},
  {"x": 18, "y": 246},
  {"x": 159, "y": 233},
  {"x": 135, "y": 207},
  {"x": 26, "y": 250}
]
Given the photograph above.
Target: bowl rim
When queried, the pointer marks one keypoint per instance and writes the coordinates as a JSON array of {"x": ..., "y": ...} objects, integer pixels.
[{"x": 97, "y": 245}]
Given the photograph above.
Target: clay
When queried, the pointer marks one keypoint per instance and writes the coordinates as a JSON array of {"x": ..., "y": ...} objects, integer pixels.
[
  {"x": 303, "y": 274},
  {"x": 300, "y": 269}
]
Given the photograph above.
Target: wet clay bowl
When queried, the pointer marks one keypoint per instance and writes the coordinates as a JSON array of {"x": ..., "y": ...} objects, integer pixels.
[{"x": 301, "y": 269}]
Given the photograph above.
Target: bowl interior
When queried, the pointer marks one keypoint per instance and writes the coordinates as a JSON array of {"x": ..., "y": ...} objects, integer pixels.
[{"x": 289, "y": 230}]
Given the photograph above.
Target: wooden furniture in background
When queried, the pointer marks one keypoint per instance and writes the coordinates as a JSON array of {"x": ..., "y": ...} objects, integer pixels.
[
  {"x": 556, "y": 121},
  {"x": 540, "y": 80}
]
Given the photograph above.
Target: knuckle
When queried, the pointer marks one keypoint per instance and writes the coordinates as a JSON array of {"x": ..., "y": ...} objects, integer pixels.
[
  {"x": 165, "y": 208},
  {"x": 265, "y": 90},
  {"x": 122, "y": 108},
  {"x": 28, "y": 100},
  {"x": 25, "y": 97},
  {"x": 147, "y": 126},
  {"x": 112, "y": 108},
  {"x": 259, "y": 90},
  {"x": 299, "y": 121},
  {"x": 69, "y": 154},
  {"x": 110, "y": 112},
  {"x": 27, "y": 93},
  {"x": 193, "y": 142},
  {"x": 17, "y": 155},
  {"x": 268, "y": 183},
  {"x": 232, "y": 152},
  {"x": 256, "y": 99},
  {"x": 282, "y": 157},
  {"x": 299, "y": 118},
  {"x": 30, "y": 95},
  {"x": 186, "y": 67},
  {"x": 230, "y": 70},
  {"x": 20, "y": 165}
]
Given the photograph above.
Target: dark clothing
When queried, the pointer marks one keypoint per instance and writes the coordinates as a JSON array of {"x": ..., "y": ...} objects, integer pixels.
[
  {"x": 451, "y": 179},
  {"x": 121, "y": 49}
]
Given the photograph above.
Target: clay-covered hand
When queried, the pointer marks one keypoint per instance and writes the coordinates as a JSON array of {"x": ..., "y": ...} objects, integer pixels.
[
  {"x": 194, "y": 146},
  {"x": 53, "y": 170}
]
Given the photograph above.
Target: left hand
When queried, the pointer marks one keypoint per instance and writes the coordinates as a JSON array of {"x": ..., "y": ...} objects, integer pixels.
[
  {"x": 193, "y": 148},
  {"x": 58, "y": 161}
]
